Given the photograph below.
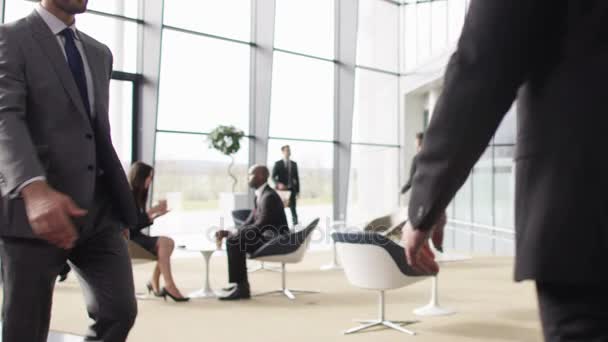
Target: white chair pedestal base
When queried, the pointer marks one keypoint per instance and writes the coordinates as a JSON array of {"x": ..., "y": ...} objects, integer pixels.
[
  {"x": 334, "y": 265},
  {"x": 382, "y": 321},
  {"x": 388, "y": 324},
  {"x": 433, "y": 308},
  {"x": 289, "y": 293},
  {"x": 263, "y": 267}
]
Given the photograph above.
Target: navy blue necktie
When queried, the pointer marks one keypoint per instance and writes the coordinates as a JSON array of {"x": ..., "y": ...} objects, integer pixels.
[{"x": 76, "y": 66}]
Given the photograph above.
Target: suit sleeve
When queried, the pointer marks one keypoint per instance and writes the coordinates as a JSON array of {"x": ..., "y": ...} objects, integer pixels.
[
  {"x": 275, "y": 172},
  {"x": 250, "y": 219},
  {"x": 408, "y": 185},
  {"x": 480, "y": 85},
  {"x": 18, "y": 159},
  {"x": 296, "y": 177}
]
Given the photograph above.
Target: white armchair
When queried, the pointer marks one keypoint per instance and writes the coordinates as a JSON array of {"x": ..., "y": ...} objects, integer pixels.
[{"x": 374, "y": 262}]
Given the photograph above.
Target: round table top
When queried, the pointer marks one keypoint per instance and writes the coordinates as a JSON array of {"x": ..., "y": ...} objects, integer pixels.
[{"x": 200, "y": 247}]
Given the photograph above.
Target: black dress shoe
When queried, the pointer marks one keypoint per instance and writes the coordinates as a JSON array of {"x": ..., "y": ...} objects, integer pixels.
[
  {"x": 229, "y": 288},
  {"x": 240, "y": 291}
]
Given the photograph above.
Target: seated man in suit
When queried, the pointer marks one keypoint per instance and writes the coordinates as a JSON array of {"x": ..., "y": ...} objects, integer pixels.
[{"x": 266, "y": 221}]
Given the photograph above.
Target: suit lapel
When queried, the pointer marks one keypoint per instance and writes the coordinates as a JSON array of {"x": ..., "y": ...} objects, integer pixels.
[{"x": 48, "y": 43}]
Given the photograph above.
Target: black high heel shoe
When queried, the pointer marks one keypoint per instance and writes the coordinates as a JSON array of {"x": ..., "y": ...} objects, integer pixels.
[
  {"x": 164, "y": 293},
  {"x": 151, "y": 290}
]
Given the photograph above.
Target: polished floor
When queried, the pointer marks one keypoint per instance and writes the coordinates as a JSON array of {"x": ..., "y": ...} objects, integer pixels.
[{"x": 490, "y": 307}]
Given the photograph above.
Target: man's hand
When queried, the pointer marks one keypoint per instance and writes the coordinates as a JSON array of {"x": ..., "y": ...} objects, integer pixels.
[
  {"x": 49, "y": 213},
  {"x": 417, "y": 250},
  {"x": 281, "y": 186}
]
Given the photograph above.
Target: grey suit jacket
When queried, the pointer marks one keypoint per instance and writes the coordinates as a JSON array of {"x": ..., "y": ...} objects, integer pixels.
[
  {"x": 554, "y": 52},
  {"x": 45, "y": 129}
]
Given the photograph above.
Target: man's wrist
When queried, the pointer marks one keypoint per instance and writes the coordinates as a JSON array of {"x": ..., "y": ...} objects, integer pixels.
[{"x": 32, "y": 187}]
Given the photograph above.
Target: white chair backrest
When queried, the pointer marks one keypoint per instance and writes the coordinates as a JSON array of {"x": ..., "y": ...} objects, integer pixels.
[{"x": 371, "y": 267}]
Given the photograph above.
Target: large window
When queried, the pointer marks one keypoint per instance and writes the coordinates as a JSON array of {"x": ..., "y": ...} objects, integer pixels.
[
  {"x": 205, "y": 87},
  {"x": 305, "y": 27},
  {"x": 302, "y": 99},
  {"x": 487, "y": 197},
  {"x": 374, "y": 182},
  {"x": 374, "y": 173},
  {"x": 378, "y": 35},
  {"x": 376, "y": 114},
  {"x": 230, "y": 19},
  {"x": 302, "y": 103},
  {"x": 204, "y": 83},
  {"x": 430, "y": 28}
]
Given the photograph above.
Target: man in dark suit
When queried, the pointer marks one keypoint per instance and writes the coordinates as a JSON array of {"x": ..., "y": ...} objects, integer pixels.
[
  {"x": 285, "y": 175},
  {"x": 554, "y": 53},
  {"x": 64, "y": 193},
  {"x": 266, "y": 221}
]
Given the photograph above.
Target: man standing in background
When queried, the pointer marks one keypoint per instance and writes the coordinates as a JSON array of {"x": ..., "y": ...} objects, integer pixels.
[
  {"x": 285, "y": 175},
  {"x": 64, "y": 193}
]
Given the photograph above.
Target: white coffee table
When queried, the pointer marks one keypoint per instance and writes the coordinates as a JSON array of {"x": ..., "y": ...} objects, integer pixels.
[{"x": 207, "y": 251}]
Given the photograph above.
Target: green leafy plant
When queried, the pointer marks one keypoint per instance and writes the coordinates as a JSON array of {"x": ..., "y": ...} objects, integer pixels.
[{"x": 227, "y": 140}]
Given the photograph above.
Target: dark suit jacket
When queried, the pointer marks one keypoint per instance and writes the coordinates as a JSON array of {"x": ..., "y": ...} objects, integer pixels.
[
  {"x": 45, "y": 129},
  {"x": 555, "y": 53},
  {"x": 268, "y": 218},
  {"x": 280, "y": 174}
]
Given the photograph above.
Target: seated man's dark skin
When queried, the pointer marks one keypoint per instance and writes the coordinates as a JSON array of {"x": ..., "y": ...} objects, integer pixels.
[{"x": 266, "y": 222}]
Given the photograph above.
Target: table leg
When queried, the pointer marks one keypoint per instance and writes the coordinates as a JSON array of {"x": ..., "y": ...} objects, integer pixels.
[{"x": 206, "y": 291}]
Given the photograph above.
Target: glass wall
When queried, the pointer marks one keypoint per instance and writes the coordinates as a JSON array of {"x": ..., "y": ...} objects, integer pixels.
[
  {"x": 204, "y": 83},
  {"x": 487, "y": 198},
  {"x": 430, "y": 28},
  {"x": 375, "y": 150},
  {"x": 302, "y": 101}
]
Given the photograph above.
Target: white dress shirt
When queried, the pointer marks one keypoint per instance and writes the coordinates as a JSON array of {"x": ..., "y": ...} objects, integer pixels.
[
  {"x": 259, "y": 191},
  {"x": 56, "y": 26}
]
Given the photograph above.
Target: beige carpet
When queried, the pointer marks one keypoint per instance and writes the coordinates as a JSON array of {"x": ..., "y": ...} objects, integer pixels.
[{"x": 490, "y": 306}]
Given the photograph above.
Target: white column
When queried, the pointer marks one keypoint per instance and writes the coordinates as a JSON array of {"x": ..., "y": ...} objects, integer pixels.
[
  {"x": 346, "y": 52},
  {"x": 262, "y": 35},
  {"x": 149, "y": 65}
]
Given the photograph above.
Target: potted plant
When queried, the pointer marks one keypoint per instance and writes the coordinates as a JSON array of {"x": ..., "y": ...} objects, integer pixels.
[{"x": 227, "y": 140}]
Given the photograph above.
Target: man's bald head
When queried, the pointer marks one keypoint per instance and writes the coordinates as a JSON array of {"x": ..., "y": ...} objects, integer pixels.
[{"x": 258, "y": 175}]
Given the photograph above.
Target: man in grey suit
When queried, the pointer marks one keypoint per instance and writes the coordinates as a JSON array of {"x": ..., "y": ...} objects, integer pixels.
[
  {"x": 64, "y": 193},
  {"x": 554, "y": 53}
]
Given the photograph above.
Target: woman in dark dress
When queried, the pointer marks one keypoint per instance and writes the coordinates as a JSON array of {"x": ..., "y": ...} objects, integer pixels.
[{"x": 140, "y": 179}]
